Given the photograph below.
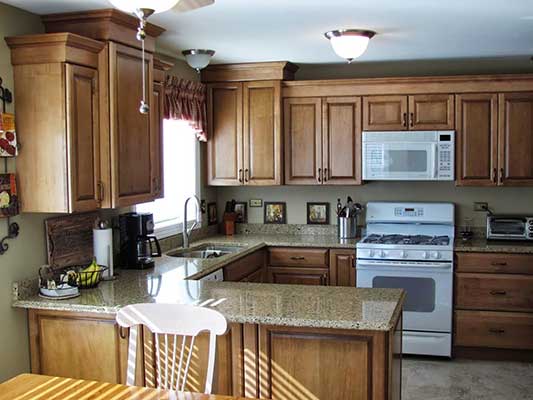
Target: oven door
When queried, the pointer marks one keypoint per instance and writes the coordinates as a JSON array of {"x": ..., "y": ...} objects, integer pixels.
[
  {"x": 428, "y": 304},
  {"x": 400, "y": 161}
]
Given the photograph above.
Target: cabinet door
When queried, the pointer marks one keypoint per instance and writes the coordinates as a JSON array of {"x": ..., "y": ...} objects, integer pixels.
[
  {"x": 157, "y": 106},
  {"x": 133, "y": 141},
  {"x": 255, "y": 277},
  {"x": 298, "y": 276},
  {"x": 516, "y": 139},
  {"x": 385, "y": 113},
  {"x": 303, "y": 141},
  {"x": 476, "y": 149},
  {"x": 341, "y": 144},
  {"x": 83, "y": 138},
  {"x": 433, "y": 111},
  {"x": 342, "y": 268},
  {"x": 224, "y": 147},
  {"x": 262, "y": 133}
]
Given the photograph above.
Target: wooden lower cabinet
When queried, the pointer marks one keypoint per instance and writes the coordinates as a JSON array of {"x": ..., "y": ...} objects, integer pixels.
[
  {"x": 250, "y": 268},
  {"x": 342, "y": 268},
  {"x": 298, "y": 276}
]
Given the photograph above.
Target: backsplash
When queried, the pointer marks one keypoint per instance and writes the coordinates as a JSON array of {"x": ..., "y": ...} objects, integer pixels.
[{"x": 296, "y": 198}]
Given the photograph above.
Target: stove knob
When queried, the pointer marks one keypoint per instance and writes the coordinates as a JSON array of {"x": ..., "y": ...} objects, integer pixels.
[
  {"x": 382, "y": 254},
  {"x": 371, "y": 253},
  {"x": 425, "y": 255},
  {"x": 435, "y": 255},
  {"x": 403, "y": 254}
]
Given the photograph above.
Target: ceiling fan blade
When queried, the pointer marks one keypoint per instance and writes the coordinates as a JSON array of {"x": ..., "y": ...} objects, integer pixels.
[{"x": 188, "y": 5}]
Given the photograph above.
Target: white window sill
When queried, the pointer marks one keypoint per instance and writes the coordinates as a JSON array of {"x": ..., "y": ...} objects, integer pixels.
[{"x": 167, "y": 229}]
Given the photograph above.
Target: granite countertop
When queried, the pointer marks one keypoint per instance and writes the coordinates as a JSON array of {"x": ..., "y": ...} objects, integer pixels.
[
  {"x": 173, "y": 280},
  {"x": 483, "y": 245}
]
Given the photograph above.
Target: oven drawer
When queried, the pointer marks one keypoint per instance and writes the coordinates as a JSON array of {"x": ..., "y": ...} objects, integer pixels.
[
  {"x": 504, "y": 330},
  {"x": 494, "y": 292},
  {"x": 298, "y": 257},
  {"x": 495, "y": 262}
]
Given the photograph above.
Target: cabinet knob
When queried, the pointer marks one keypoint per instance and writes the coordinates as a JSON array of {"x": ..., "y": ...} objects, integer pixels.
[
  {"x": 326, "y": 176},
  {"x": 404, "y": 119},
  {"x": 241, "y": 176},
  {"x": 320, "y": 175},
  {"x": 246, "y": 175},
  {"x": 412, "y": 119}
]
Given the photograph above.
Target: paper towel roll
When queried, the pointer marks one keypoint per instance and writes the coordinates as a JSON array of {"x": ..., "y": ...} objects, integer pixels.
[{"x": 103, "y": 249}]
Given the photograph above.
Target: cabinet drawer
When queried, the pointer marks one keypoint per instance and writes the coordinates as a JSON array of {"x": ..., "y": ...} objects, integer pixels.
[
  {"x": 298, "y": 276},
  {"x": 298, "y": 257},
  {"x": 495, "y": 262},
  {"x": 493, "y": 329},
  {"x": 494, "y": 292},
  {"x": 242, "y": 268}
]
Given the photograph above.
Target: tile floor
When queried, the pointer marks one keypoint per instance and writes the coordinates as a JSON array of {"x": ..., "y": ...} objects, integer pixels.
[{"x": 429, "y": 379}]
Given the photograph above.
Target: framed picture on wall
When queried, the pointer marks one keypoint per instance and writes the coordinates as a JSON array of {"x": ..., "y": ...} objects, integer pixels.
[
  {"x": 240, "y": 210},
  {"x": 275, "y": 213},
  {"x": 212, "y": 214},
  {"x": 318, "y": 213}
]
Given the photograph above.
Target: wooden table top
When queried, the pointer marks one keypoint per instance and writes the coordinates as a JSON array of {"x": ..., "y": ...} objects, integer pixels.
[{"x": 41, "y": 387}]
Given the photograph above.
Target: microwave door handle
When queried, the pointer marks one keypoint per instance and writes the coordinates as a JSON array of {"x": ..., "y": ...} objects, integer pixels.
[{"x": 435, "y": 160}]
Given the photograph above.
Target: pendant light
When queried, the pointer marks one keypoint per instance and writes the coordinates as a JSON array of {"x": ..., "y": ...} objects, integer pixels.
[
  {"x": 198, "y": 58},
  {"x": 349, "y": 43},
  {"x": 143, "y": 9}
]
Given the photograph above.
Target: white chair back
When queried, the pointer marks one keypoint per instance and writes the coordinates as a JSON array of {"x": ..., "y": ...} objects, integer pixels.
[{"x": 172, "y": 321}]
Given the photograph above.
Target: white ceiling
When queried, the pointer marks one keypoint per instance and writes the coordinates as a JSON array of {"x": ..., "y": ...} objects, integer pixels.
[{"x": 263, "y": 30}]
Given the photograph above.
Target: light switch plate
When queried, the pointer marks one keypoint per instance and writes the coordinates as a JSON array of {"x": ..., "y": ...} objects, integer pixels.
[{"x": 256, "y": 203}]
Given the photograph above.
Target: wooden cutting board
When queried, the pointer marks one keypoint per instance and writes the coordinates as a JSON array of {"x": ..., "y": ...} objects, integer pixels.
[{"x": 69, "y": 239}]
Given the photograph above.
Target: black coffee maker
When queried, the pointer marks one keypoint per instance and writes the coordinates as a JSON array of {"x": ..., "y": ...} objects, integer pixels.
[{"x": 137, "y": 241}]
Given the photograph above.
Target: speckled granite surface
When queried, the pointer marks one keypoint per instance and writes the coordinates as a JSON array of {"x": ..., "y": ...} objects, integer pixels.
[
  {"x": 285, "y": 305},
  {"x": 489, "y": 246}
]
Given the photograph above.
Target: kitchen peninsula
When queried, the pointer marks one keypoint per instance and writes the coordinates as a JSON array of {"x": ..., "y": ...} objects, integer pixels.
[{"x": 284, "y": 341}]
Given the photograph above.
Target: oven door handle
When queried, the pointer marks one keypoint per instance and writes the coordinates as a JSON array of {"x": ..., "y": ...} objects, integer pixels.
[{"x": 385, "y": 264}]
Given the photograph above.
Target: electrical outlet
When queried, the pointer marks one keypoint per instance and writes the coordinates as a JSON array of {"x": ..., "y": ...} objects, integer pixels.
[
  {"x": 481, "y": 206},
  {"x": 256, "y": 203}
]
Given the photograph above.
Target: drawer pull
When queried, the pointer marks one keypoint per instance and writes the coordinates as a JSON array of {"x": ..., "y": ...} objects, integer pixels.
[
  {"x": 498, "y": 292},
  {"x": 497, "y": 331},
  {"x": 297, "y": 258},
  {"x": 498, "y": 264}
]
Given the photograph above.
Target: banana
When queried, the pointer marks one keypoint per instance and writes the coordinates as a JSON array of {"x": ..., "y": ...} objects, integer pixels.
[{"x": 89, "y": 275}]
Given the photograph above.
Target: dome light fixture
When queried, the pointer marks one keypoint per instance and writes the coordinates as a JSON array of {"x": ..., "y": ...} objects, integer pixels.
[
  {"x": 349, "y": 43},
  {"x": 198, "y": 58},
  {"x": 142, "y": 9}
]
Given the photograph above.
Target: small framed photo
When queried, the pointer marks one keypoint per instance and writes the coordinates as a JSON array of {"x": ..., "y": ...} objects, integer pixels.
[
  {"x": 275, "y": 213},
  {"x": 240, "y": 210},
  {"x": 212, "y": 214},
  {"x": 318, "y": 213}
]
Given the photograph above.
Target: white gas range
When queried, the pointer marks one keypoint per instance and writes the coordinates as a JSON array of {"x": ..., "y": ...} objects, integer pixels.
[{"x": 410, "y": 246}]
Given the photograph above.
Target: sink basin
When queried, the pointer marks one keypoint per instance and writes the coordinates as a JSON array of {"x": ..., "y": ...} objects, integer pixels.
[{"x": 205, "y": 251}]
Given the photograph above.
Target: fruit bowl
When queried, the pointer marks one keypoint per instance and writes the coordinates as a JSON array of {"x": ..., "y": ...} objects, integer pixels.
[{"x": 87, "y": 279}]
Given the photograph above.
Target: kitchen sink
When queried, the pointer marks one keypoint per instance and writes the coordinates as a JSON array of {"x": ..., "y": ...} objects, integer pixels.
[{"x": 205, "y": 251}]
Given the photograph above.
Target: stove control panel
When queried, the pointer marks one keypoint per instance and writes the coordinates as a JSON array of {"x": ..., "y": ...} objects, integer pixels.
[
  {"x": 409, "y": 212},
  {"x": 397, "y": 254}
]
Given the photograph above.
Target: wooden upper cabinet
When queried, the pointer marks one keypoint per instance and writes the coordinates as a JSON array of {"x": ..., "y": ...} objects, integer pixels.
[
  {"x": 133, "y": 141},
  {"x": 431, "y": 112},
  {"x": 262, "y": 133},
  {"x": 516, "y": 138},
  {"x": 341, "y": 141},
  {"x": 477, "y": 141},
  {"x": 83, "y": 138},
  {"x": 385, "y": 113},
  {"x": 224, "y": 145},
  {"x": 303, "y": 140}
]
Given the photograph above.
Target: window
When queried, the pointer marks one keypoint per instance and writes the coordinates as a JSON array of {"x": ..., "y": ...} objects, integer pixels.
[{"x": 180, "y": 180}]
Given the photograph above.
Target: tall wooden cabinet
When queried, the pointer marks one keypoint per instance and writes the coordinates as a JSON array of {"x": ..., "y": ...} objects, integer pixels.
[
  {"x": 494, "y": 139},
  {"x": 57, "y": 99},
  {"x": 244, "y": 125},
  {"x": 415, "y": 112},
  {"x": 322, "y": 140}
]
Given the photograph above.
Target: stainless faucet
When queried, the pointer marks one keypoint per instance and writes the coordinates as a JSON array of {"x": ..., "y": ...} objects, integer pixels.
[{"x": 187, "y": 232}]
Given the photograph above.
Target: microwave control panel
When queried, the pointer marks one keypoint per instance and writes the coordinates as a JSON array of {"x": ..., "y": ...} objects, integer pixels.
[{"x": 445, "y": 156}]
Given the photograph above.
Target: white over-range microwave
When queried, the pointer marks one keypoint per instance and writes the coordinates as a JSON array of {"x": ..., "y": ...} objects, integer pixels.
[{"x": 409, "y": 155}]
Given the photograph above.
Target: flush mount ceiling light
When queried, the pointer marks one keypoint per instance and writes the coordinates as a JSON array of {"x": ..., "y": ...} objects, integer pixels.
[
  {"x": 198, "y": 58},
  {"x": 142, "y": 9},
  {"x": 349, "y": 43}
]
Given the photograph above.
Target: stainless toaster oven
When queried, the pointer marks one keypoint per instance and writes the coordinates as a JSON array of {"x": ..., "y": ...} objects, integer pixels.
[{"x": 509, "y": 227}]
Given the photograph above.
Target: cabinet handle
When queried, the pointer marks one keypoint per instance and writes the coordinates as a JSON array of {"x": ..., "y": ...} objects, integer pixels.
[
  {"x": 501, "y": 175},
  {"x": 497, "y": 331},
  {"x": 320, "y": 175},
  {"x": 326, "y": 177},
  {"x": 297, "y": 258},
  {"x": 100, "y": 188},
  {"x": 404, "y": 119},
  {"x": 246, "y": 175},
  {"x": 122, "y": 332},
  {"x": 498, "y": 264},
  {"x": 412, "y": 119},
  {"x": 241, "y": 176},
  {"x": 498, "y": 292}
]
